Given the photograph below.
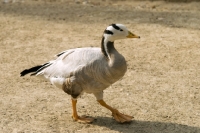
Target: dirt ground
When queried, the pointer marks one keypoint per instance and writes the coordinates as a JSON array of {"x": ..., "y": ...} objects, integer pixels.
[{"x": 161, "y": 88}]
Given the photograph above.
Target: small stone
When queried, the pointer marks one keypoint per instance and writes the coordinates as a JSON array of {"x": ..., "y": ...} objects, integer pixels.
[
  {"x": 160, "y": 19},
  {"x": 85, "y": 2}
]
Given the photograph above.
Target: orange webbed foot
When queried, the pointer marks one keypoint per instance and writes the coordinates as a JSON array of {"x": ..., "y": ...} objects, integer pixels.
[
  {"x": 121, "y": 118},
  {"x": 83, "y": 119}
]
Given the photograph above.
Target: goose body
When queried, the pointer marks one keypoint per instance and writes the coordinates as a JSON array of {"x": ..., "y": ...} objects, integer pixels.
[
  {"x": 89, "y": 69},
  {"x": 93, "y": 72}
]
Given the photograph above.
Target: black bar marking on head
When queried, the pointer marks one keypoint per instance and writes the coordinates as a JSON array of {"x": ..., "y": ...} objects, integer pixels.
[
  {"x": 108, "y": 32},
  {"x": 116, "y": 27}
]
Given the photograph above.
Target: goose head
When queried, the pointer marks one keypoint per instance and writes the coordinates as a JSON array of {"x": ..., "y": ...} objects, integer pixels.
[{"x": 117, "y": 31}]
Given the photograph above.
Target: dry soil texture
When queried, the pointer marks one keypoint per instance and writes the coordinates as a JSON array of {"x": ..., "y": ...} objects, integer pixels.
[{"x": 161, "y": 88}]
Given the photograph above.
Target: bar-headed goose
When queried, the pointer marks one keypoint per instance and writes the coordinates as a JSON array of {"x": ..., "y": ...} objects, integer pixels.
[{"x": 89, "y": 70}]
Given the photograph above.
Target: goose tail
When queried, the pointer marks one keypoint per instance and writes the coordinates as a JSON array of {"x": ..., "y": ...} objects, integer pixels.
[{"x": 34, "y": 70}]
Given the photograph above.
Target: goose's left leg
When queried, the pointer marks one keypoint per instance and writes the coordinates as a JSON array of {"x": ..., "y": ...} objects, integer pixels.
[
  {"x": 83, "y": 119},
  {"x": 75, "y": 90},
  {"x": 119, "y": 117}
]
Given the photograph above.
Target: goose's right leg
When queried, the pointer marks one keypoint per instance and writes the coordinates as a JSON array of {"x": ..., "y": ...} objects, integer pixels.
[{"x": 119, "y": 117}]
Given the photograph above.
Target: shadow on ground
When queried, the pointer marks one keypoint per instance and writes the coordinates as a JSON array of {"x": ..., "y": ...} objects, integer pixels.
[{"x": 138, "y": 126}]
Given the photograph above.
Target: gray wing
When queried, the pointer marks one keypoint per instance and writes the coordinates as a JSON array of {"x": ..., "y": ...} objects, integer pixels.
[{"x": 71, "y": 60}]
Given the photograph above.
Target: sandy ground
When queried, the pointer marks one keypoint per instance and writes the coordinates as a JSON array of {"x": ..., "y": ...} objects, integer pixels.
[{"x": 161, "y": 88}]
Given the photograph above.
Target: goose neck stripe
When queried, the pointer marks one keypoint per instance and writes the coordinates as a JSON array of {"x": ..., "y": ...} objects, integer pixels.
[
  {"x": 107, "y": 47},
  {"x": 103, "y": 47},
  {"x": 116, "y": 27},
  {"x": 108, "y": 32}
]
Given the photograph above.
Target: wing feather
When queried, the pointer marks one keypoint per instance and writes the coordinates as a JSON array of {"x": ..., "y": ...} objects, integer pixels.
[{"x": 69, "y": 61}]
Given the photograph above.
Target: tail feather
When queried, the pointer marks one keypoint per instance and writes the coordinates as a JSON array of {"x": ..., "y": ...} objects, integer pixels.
[
  {"x": 35, "y": 70},
  {"x": 30, "y": 70}
]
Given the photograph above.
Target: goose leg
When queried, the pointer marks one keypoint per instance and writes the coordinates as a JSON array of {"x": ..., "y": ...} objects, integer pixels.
[
  {"x": 83, "y": 119},
  {"x": 119, "y": 117}
]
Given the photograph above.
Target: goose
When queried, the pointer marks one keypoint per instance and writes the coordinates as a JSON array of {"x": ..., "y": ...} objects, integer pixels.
[{"x": 88, "y": 70}]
